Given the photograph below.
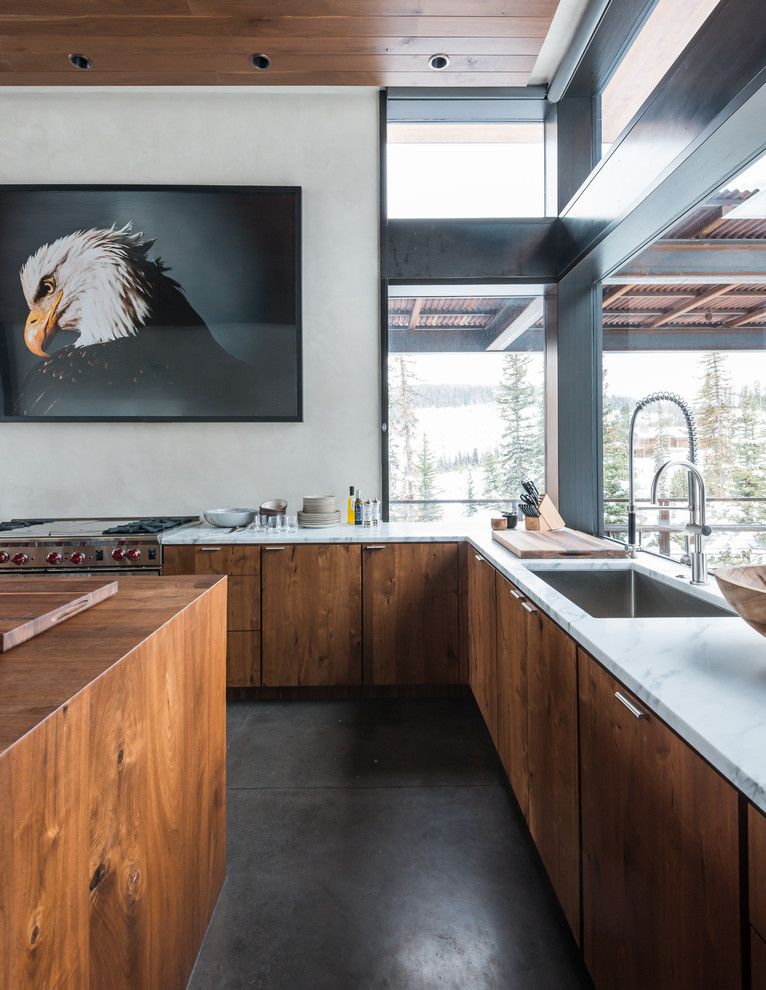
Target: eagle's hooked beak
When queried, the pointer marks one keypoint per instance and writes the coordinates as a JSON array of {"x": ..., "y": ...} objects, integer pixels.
[{"x": 41, "y": 325}]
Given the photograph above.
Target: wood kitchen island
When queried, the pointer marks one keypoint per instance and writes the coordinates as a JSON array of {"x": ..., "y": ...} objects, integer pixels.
[{"x": 112, "y": 776}]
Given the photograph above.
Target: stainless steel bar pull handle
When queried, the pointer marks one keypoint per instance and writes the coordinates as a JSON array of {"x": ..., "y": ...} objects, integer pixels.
[
  {"x": 273, "y": 548},
  {"x": 208, "y": 549},
  {"x": 529, "y": 608},
  {"x": 479, "y": 558},
  {"x": 377, "y": 546},
  {"x": 517, "y": 595},
  {"x": 634, "y": 710}
]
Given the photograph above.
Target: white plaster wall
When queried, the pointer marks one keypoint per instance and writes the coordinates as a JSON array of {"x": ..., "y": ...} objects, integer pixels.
[{"x": 324, "y": 141}]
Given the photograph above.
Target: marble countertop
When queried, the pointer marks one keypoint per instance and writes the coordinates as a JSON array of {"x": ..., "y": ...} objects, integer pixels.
[{"x": 705, "y": 677}]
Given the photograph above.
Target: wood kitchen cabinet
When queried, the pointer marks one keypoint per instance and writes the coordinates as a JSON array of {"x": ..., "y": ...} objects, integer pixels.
[
  {"x": 312, "y": 615},
  {"x": 481, "y": 639},
  {"x": 242, "y": 564},
  {"x": 756, "y": 830},
  {"x": 410, "y": 601},
  {"x": 660, "y": 839},
  {"x": 512, "y": 726},
  {"x": 553, "y": 813},
  {"x": 758, "y": 962}
]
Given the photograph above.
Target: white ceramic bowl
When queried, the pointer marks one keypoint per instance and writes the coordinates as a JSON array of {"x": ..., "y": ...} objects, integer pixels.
[{"x": 226, "y": 518}]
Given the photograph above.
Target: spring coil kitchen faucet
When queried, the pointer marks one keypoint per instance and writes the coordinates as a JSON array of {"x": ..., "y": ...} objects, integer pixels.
[{"x": 691, "y": 427}]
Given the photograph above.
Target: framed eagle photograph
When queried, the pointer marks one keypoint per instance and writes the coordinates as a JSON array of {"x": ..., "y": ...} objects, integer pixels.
[{"x": 150, "y": 303}]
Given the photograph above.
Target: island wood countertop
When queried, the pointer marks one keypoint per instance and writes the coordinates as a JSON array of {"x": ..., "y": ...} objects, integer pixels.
[{"x": 42, "y": 675}]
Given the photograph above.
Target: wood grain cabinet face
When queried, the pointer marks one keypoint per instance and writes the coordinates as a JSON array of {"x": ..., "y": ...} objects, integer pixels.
[
  {"x": 482, "y": 645},
  {"x": 411, "y": 633},
  {"x": 756, "y": 829},
  {"x": 512, "y": 704},
  {"x": 660, "y": 840},
  {"x": 554, "y": 794},
  {"x": 758, "y": 962},
  {"x": 312, "y": 615},
  {"x": 242, "y": 564}
]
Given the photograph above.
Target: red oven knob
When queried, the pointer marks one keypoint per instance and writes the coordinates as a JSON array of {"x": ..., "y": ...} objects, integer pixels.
[
  {"x": 118, "y": 554},
  {"x": 4, "y": 556},
  {"x": 77, "y": 557},
  {"x": 134, "y": 553},
  {"x": 54, "y": 557},
  {"x": 20, "y": 558}
]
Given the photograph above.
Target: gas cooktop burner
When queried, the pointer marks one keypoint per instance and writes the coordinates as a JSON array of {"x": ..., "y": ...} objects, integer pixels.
[
  {"x": 22, "y": 524},
  {"x": 150, "y": 526}
]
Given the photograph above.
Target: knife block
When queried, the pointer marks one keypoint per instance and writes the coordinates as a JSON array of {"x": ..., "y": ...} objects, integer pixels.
[{"x": 548, "y": 519}]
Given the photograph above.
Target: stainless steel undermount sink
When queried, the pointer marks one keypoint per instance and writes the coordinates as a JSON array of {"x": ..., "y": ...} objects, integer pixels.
[{"x": 627, "y": 594}]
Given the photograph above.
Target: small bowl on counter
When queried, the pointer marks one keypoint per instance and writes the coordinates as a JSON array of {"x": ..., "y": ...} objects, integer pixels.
[
  {"x": 274, "y": 507},
  {"x": 499, "y": 523},
  {"x": 226, "y": 518},
  {"x": 744, "y": 588}
]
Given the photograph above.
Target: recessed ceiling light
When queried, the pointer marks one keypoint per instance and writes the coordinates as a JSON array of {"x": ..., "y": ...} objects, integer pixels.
[
  {"x": 260, "y": 61},
  {"x": 439, "y": 61},
  {"x": 80, "y": 61}
]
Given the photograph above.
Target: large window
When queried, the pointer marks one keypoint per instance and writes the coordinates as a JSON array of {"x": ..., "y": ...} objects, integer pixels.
[
  {"x": 466, "y": 401},
  {"x": 688, "y": 316},
  {"x": 465, "y": 170},
  {"x": 665, "y": 33}
]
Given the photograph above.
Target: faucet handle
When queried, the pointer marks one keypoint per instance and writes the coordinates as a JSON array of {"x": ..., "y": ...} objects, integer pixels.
[{"x": 694, "y": 529}]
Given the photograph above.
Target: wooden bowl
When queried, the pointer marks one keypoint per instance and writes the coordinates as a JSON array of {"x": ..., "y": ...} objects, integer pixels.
[
  {"x": 744, "y": 588},
  {"x": 501, "y": 523}
]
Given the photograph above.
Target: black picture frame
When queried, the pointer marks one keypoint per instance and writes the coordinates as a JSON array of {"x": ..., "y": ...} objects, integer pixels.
[{"x": 294, "y": 192}]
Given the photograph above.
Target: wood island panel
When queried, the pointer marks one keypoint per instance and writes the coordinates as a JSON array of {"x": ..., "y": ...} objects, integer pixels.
[{"x": 112, "y": 839}]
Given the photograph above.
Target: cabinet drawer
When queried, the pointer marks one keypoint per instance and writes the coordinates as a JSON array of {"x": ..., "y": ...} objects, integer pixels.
[
  {"x": 231, "y": 559},
  {"x": 756, "y": 827},
  {"x": 243, "y": 659}
]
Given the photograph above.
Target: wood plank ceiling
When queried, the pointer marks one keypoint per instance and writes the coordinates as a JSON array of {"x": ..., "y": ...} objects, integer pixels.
[{"x": 308, "y": 42}]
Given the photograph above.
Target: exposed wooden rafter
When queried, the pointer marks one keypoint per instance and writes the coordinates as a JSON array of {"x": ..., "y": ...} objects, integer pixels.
[{"x": 695, "y": 303}]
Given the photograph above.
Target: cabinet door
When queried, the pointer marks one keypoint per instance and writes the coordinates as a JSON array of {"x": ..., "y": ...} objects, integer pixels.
[
  {"x": 312, "y": 615},
  {"x": 554, "y": 799},
  {"x": 482, "y": 647},
  {"x": 758, "y": 962},
  {"x": 756, "y": 829},
  {"x": 512, "y": 738},
  {"x": 410, "y": 593},
  {"x": 233, "y": 558},
  {"x": 661, "y": 895}
]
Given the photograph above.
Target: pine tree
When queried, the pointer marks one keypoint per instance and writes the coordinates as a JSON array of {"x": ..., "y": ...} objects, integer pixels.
[
  {"x": 402, "y": 427},
  {"x": 470, "y": 495},
  {"x": 427, "y": 482},
  {"x": 749, "y": 445},
  {"x": 714, "y": 423},
  {"x": 491, "y": 475},
  {"x": 522, "y": 441},
  {"x": 616, "y": 418}
]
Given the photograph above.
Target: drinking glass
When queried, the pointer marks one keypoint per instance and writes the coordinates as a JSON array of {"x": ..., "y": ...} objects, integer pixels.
[
  {"x": 273, "y": 523},
  {"x": 292, "y": 523}
]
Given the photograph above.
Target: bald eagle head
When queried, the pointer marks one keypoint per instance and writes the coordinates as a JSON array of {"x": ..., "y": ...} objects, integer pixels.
[{"x": 95, "y": 283}]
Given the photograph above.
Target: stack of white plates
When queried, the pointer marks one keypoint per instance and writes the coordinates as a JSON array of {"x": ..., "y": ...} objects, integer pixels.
[{"x": 319, "y": 511}]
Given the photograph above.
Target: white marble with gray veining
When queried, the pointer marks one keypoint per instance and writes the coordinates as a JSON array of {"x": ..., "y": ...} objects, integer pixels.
[{"x": 705, "y": 677}]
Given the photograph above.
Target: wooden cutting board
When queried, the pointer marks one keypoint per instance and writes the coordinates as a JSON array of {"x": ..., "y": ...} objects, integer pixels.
[
  {"x": 31, "y": 605},
  {"x": 557, "y": 543}
]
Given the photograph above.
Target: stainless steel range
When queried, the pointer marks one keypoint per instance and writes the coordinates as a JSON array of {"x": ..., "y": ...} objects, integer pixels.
[{"x": 77, "y": 545}]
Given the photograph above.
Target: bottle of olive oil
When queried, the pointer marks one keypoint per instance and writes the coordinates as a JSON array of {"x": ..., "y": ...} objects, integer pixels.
[
  {"x": 350, "y": 514},
  {"x": 358, "y": 517}
]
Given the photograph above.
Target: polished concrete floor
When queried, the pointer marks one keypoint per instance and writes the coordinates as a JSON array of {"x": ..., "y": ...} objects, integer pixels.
[{"x": 375, "y": 844}]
